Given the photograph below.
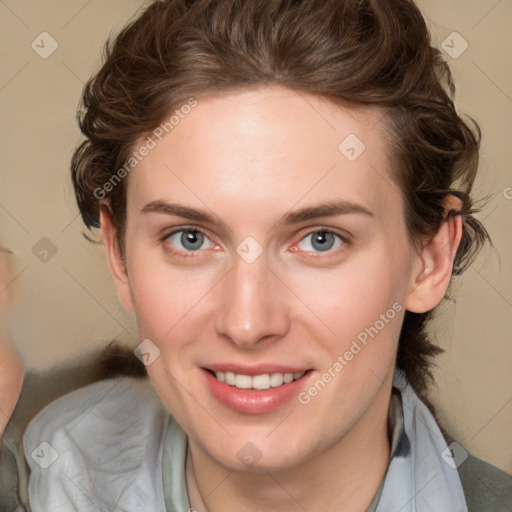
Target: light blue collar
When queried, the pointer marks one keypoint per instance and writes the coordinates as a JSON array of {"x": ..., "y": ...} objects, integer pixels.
[{"x": 420, "y": 477}]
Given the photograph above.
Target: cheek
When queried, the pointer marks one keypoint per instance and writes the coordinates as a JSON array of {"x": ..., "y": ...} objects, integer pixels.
[
  {"x": 362, "y": 305},
  {"x": 166, "y": 299},
  {"x": 353, "y": 296}
]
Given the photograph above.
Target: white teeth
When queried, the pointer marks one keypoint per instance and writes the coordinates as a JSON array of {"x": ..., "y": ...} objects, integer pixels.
[
  {"x": 263, "y": 381},
  {"x": 276, "y": 379},
  {"x": 243, "y": 382},
  {"x": 288, "y": 377}
]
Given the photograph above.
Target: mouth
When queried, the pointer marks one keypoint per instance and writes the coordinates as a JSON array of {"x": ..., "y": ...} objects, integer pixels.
[
  {"x": 255, "y": 390},
  {"x": 259, "y": 382}
]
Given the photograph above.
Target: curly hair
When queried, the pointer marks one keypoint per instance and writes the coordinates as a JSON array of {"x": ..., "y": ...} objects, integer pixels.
[{"x": 375, "y": 53}]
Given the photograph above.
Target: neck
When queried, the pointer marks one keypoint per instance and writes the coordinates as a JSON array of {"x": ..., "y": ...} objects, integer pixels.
[{"x": 345, "y": 477}]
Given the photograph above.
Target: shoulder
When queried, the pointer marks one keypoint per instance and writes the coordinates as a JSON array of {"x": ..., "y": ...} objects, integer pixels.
[
  {"x": 486, "y": 487},
  {"x": 100, "y": 401},
  {"x": 96, "y": 447}
]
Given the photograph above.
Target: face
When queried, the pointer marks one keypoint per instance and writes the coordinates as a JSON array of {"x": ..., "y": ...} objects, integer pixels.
[{"x": 265, "y": 243}]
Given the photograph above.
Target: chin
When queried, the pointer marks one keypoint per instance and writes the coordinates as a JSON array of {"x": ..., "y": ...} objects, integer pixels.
[{"x": 247, "y": 453}]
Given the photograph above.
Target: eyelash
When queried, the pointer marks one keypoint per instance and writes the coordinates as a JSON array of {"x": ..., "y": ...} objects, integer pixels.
[{"x": 315, "y": 254}]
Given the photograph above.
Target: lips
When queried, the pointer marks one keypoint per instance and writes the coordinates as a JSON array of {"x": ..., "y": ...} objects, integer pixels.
[{"x": 257, "y": 389}]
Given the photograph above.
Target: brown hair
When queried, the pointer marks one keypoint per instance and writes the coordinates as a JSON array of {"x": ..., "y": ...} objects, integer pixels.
[{"x": 358, "y": 52}]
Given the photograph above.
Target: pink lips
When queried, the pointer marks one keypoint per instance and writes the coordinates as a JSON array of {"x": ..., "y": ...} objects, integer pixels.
[{"x": 250, "y": 401}]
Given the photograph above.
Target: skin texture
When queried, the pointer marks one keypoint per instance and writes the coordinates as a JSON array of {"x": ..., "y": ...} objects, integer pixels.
[
  {"x": 11, "y": 365},
  {"x": 248, "y": 158}
]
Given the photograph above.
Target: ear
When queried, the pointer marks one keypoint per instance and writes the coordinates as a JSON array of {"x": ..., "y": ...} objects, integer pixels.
[
  {"x": 432, "y": 269},
  {"x": 115, "y": 260}
]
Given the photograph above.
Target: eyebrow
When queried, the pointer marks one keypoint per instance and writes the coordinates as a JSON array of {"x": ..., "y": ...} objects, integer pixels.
[{"x": 330, "y": 209}]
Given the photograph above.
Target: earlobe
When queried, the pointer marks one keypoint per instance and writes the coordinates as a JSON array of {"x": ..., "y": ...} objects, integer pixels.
[
  {"x": 433, "y": 267},
  {"x": 115, "y": 260}
]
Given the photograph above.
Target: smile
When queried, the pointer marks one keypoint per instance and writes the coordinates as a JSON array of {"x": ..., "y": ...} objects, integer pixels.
[
  {"x": 256, "y": 389},
  {"x": 258, "y": 382}
]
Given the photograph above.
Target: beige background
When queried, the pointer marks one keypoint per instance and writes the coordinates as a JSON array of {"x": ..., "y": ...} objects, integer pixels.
[{"x": 67, "y": 304}]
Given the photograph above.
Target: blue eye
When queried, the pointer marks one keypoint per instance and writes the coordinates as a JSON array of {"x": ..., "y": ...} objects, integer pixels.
[
  {"x": 321, "y": 241},
  {"x": 190, "y": 240}
]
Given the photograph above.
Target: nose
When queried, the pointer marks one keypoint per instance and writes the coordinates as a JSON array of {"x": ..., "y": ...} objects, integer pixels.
[{"x": 253, "y": 309}]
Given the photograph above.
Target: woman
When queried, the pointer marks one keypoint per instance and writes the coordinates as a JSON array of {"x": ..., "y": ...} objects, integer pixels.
[{"x": 284, "y": 193}]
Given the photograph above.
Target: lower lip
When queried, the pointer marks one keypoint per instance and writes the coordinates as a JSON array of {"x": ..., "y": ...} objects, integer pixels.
[{"x": 252, "y": 401}]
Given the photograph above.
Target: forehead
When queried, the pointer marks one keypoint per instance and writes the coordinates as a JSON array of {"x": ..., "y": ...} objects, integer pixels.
[{"x": 268, "y": 149}]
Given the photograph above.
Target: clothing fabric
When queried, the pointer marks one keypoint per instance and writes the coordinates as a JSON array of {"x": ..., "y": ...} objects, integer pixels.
[
  {"x": 98, "y": 448},
  {"x": 113, "y": 446},
  {"x": 419, "y": 477}
]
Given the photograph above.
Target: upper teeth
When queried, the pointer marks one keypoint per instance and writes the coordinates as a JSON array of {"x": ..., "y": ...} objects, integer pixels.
[{"x": 264, "y": 381}]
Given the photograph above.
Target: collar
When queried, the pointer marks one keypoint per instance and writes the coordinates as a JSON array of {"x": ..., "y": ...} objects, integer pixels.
[{"x": 418, "y": 478}]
